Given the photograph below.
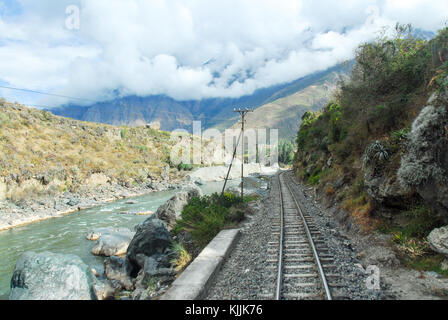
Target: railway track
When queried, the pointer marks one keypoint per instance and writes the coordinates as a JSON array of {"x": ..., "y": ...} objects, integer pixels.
[{"x": 297, "y": 253}]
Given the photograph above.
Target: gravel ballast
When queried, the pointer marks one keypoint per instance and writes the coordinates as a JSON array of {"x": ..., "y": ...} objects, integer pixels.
[{"x": 245, "y": 275}]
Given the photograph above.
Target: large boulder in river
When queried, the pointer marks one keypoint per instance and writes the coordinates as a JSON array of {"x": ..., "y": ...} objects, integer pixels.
[
  {"x": 438, "y": 240},
  {"x": 171, "y": 210},
  {"x": 95, "y": 234},
  {"x": 50, "y": 276},
  {"x": 115, "y": 270},
  {"x": 111, "y": 241},
  {"x": 152, "y": 238}
]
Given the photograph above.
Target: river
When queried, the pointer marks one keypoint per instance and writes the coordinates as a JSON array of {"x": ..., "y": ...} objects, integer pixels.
[{"x": 67, "y": 234}]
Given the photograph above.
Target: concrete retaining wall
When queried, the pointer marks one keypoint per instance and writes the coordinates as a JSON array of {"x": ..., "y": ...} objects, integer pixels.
[{"x": 194, "y": 282}]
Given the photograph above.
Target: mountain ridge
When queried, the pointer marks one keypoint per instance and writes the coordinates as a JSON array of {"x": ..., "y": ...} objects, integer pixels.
[
  {"x": 285, "y": 113},
  {"x": 172, "y": 114}
]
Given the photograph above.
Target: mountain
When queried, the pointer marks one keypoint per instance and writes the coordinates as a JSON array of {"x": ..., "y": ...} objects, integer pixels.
[
  {"x": 172, "y": 114},
  {"x": 285, "y": 114}
]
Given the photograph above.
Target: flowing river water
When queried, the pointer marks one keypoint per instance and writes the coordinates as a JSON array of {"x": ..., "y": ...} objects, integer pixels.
[{"x": 67, "y": 234}]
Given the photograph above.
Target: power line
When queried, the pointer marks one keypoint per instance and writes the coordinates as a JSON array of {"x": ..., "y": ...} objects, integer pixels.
[
  {"x": 45, "y": 93},
  {"x": 198, "y": 118},
  {"x": 202, "y": 117}
]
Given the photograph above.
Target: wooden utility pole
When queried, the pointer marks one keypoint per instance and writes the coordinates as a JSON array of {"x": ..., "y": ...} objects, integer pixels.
[
  {"x": 230, "y": 166},
  {"x": 243, "y": 115}
]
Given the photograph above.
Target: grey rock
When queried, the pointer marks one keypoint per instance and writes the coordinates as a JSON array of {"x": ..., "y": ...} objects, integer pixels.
[
  {"x": 106, "y": 290},
  {"x": 113, "y": 244},
  {"x": 200, "y": 182},
  {"x": 73, "y": 202},
  {"x": 383, "y": 187},
  {"x": 152, "y": 274},
  {"x": 100, "y": 291},
  {"x": 424, "y": 165},
  {"x": 98, "y": 232},
  {"x": 115, "y": 269},
  {"x": 171, "y": 210},
  {"x": 165, "y": 173},
  {"x": 50, "y": 276},
  {"x": 151, "y": 238},
  {"x": 154, "y": 268},
  {"x": 339, "y": 182},
  {"x": 444, "y": 265},
  {"x": 381, "y": 256},
  {"x": 251, "y": 183},
  {"x": 438, "y": 240}
]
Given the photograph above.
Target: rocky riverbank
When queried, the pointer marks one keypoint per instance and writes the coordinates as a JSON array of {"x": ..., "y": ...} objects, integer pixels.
[
  {"x": 138, "y": 260},
  {"x": 139, "y": 263},
  {"x": 219, "y": 173},
  {"x": 36, "y": 208},
  {"x": 50, "y": 165},
  {"x": 14, "y": 214}
]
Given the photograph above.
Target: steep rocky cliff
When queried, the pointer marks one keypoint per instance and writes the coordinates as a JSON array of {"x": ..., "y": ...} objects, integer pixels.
[{"x": 379, "y": 150}]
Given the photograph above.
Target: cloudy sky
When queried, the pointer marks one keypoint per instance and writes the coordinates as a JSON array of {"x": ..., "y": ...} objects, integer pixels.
[{"x": 187, "y": 49}]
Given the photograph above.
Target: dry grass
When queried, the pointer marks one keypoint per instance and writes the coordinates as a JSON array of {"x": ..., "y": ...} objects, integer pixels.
[
  {"x": 330, "y": 191},
  {"x": 35, "y": 143},
  {"x": 182, "y": 259},
  {"x": 360, "y": 209}
]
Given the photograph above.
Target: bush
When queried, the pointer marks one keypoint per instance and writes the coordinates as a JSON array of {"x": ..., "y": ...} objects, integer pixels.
[
  {"x": 182, "y": 258},
  {"x": 400, "y": 135},
  {"x": 185, "y": 167},
  {"x": 204, "y": 217},
  {"x": 285, "y": 151},
  {"x": 375, "y": 153}
]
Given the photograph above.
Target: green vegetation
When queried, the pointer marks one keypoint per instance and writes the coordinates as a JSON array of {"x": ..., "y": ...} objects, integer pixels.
[
  {"x": 150, "y": 284},
  {"x": 286, "y": 151},
  {"x": 204, "y": 217},
  {"x": 309, "y": 93},
  {"x": 123, "y": 133},
  {"x": 367, "y": 122},
  {"x": 182, "y": 259},
  {"x": 185, "y": 167},
  {"x": 410, "y": 235},
  {"x": 364, "y": 131}
]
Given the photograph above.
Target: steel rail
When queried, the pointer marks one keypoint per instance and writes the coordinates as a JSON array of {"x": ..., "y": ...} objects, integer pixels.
[
  {"x": 280, "y": 254},
  {"x": 310, "y": 240}
]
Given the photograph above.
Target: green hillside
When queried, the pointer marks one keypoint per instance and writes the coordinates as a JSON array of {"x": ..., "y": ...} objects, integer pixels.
[
  {"x": 380, "y": 148},
  {"x": 285, "y": 113}
]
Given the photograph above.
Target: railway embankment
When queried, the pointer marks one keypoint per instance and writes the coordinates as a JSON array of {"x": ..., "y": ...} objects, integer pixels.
[{"x": 366, "y": 266}]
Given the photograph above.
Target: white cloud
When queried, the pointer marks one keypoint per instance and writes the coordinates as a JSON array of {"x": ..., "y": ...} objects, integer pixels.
[{"x": 190, "y": 49}]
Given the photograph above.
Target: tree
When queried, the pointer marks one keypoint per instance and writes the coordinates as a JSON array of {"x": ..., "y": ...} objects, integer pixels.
[{"x": 286, "y": 150}]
